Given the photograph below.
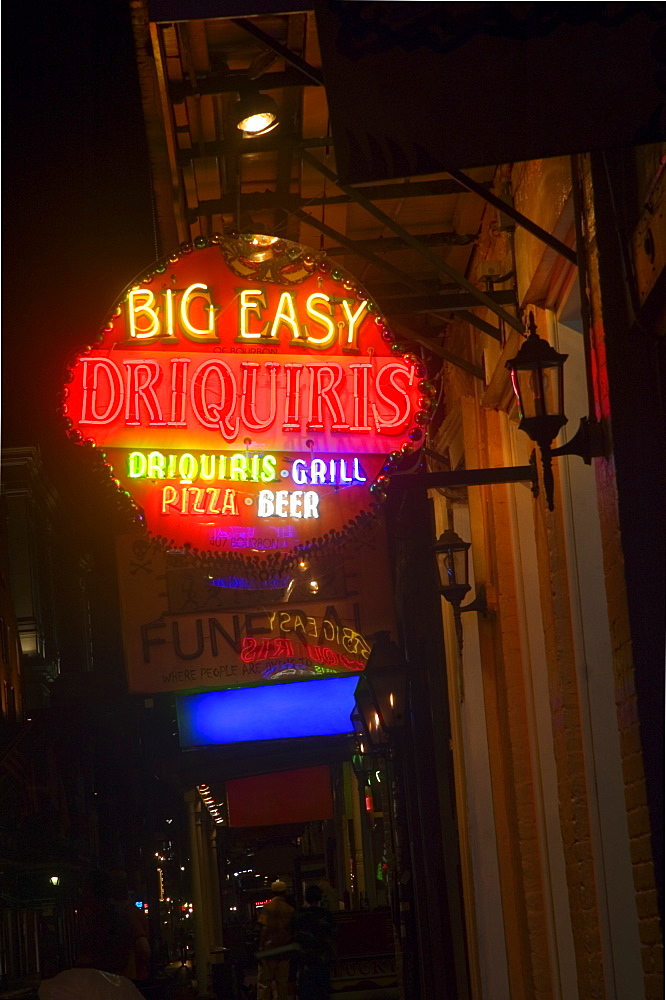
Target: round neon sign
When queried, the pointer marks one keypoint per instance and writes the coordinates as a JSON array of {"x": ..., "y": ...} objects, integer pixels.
[{"x": 249, "y": 398}]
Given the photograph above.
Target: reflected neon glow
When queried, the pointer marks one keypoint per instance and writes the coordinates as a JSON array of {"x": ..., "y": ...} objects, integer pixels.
[{"x": 279, "y": 712}]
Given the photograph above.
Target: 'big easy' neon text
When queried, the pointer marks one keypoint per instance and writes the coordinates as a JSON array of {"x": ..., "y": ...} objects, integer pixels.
[
  {"x": 244, "y": 382},
  {"x": 322, "y": 321}
]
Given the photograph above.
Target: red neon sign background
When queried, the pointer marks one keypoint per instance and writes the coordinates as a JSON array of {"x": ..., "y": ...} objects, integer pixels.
[{"x": 247, "y": 397}]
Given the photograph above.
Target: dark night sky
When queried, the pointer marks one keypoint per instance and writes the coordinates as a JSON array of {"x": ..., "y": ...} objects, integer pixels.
[{"x": 77, "y": 209}]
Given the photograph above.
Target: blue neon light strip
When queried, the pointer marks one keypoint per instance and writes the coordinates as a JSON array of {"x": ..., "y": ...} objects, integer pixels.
[{"x": 274, "y": 712}]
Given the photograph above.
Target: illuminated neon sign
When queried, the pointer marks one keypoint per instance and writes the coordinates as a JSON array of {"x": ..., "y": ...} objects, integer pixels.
[{"x": 243, "y": 387}]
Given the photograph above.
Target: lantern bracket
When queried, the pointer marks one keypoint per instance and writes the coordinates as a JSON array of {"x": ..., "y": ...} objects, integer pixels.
[
  {"x": 478, "y": 604},
  {"x": 588, "y": 442}
]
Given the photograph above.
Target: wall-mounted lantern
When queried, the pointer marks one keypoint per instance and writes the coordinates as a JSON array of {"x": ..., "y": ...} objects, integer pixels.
[
  {"x": 537, "y": 375},
  {"x": 453, "y": 564},
  {"x": 381, "y": 692}
]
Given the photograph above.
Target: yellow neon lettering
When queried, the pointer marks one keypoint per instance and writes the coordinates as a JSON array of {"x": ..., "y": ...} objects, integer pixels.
[
  {"x": 168, "y": 315},
  {"x": 322, "y": 318},
  {"x": 156, "y": 465},
  {"x": 229, "y": 505},
  {"x": 213, "y": 499},
  {"x": 171, "y": 473},
  {"x": 285, "y": 618},
  {"x": 353, "y": 321},
  {"x": 328, "y": 628},
  {"x": 286, "y": 313},
  {"x": 198, "y": 495},
  {"x": 169, "y": 498},
  {"x": 238, "y": 468},
  {"x": 207, "y": 470},
  {"x": 197, "y": 290},
  {"x": 313, "y": 630},
  {"x": 252, "y": 300},
  {"x": 136, "y": 465},
  {"x": 140, "y": 302},
  {"x": 347, "y": 636}
]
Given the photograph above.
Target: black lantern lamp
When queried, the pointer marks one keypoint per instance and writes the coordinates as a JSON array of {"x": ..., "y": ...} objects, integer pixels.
[
  {"x": 381, "y": 692},
  {"x": 537, "y": 375},
  {"x": 453, "y": 564}
]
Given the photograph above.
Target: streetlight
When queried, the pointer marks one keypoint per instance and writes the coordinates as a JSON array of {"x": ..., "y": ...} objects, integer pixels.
[{"x": 453, "y": 564}]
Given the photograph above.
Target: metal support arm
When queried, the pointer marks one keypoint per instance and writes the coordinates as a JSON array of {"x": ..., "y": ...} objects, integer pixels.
[
  {"x": 440, "y": 265},
  {"x": 518, "y": 217},
  {"x": 313, "y": 74},
  {"x": 469, "y": 477}
]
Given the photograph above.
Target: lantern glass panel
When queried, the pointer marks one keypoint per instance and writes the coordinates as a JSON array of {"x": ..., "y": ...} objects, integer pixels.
[
  {"x": 453, "y": 568},
  {"x": 539, "y": 390}
]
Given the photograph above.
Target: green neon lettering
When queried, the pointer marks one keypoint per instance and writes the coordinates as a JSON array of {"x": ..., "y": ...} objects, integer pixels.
[
  {"x": 156, "y": 465},
  {"x": 188, "y": 468},
  {"x": 268, "y": 464},
  {"x": 136, "y": 465},
  {"x": 238, "y": 467}
]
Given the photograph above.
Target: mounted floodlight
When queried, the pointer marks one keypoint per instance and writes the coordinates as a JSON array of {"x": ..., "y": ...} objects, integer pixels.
[{"x": 256, "y": 114}]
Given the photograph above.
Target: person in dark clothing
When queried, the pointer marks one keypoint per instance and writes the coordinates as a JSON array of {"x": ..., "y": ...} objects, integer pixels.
[{"x": 314, "y": 928}]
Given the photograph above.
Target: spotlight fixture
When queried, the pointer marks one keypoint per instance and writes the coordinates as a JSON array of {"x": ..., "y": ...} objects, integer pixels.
[{"x": 255, "y": 114}]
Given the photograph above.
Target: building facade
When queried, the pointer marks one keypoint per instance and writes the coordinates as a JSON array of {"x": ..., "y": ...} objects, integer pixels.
[
  {"x": 541, "y": 727},
  {"x": 500, "y": 802}
]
